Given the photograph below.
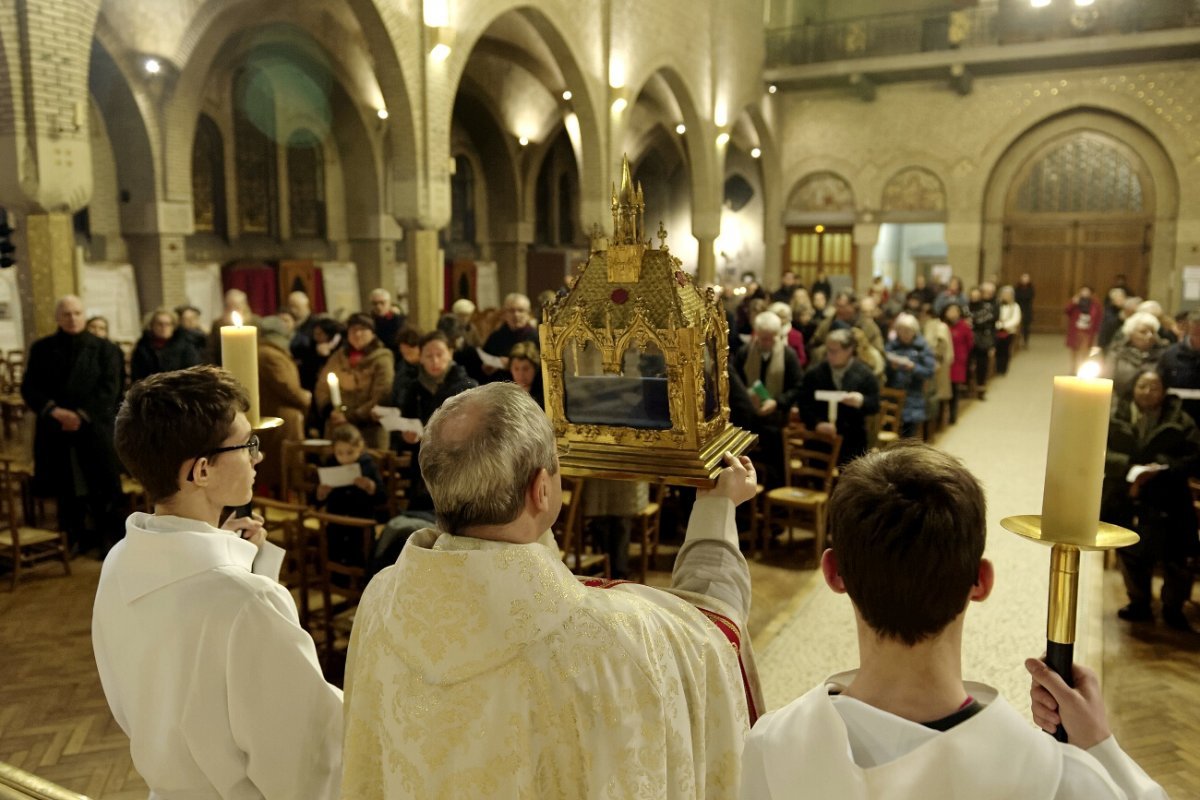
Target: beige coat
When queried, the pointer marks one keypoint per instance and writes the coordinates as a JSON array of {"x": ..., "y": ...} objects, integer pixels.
[
  {"x": 279, "y": 395},
  {"x": 364, "y": 386},
  {"x": 937, "y": 336}
]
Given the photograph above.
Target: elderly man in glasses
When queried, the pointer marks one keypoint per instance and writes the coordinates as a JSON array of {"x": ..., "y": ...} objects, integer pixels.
[{"x": 200, "y": 652}]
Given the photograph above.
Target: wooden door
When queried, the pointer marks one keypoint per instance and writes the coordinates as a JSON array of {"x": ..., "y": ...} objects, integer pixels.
[
  {"x": 1062, "y": 255},
  {"x": 811, "y": 249}
]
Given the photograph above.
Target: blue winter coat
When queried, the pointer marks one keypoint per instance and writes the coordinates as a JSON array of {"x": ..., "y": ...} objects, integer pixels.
[{"x": 911, "y": 381}]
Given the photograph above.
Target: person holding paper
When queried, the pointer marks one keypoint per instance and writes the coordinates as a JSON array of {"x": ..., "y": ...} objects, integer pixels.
[
  {"x": 362, "y": 494},
  {"x": 908, "y": 527},
  {"x": 841, "y": 371},
  {"x": 1152, "y": 430},
  {"x": 518, "y": 327},
  {"x": 1180, "y": 365},
  {"x": 199, "y": 648},
  {"x": 438, "y": 380}
]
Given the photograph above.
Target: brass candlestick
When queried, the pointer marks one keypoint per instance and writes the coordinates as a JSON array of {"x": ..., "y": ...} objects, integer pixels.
[{"x": 1064, "y": 586}]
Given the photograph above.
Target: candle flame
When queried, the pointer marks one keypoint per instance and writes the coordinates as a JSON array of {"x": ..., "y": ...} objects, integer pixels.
[
  {"x": 237, "y": 319},
  {"x": 332, "y": 379},
  {"x": 1089, "y": 369}
]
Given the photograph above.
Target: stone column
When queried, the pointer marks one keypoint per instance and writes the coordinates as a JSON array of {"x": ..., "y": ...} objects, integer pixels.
[
  {"x": 155, "y": 234},
  {"x": 426, "y": 282},
  {"x": 46, "y": 257},
  {"x": 374, "y": 259},
  {"x": 964, "y": 241},
  {"x": 511, "y": 250},
  {"x": 706, "y": 260},
  {"x": 865, "y": 237}
]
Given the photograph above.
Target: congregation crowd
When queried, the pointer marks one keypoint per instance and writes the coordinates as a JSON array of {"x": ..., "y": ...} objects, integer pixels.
[{"x": 479, "y": 666}]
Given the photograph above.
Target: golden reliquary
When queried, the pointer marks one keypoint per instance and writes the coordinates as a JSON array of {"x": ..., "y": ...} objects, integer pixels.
[{"x": 634, "y": 362}]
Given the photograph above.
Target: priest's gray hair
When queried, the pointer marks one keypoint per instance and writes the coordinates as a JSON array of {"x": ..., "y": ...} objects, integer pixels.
[{"x": 479, "y": 453}]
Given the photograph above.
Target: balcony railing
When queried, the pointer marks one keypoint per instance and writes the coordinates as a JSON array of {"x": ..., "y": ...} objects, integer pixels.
[{"x": 1013, "y": 22}]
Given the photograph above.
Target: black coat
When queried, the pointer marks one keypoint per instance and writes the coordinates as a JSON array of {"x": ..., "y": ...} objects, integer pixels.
[
  {"x": 851, "y": 422},
  {"x": 177, "y": 353},
  {"x": 1164, "y": 502},
  {"x": 1180, "y": 369},
  {"x": 420, "y": 403},
  {"x": 78, "y": 373}
]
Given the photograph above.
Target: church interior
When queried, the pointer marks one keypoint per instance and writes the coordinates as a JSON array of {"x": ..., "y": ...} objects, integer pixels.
[{"x": 154, "y": 157}]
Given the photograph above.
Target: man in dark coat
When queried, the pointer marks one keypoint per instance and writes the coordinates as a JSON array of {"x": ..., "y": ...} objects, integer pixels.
[
  {"x": 72, "y": 384},
  {"x": 517, "y": 327},
  {"x": 840, "y": 371}
]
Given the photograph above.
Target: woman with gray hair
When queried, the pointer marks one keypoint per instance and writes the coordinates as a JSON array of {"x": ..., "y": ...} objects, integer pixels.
[
  {"x": 909, "y": 365},
  {"x": 793, "y": 336},
  {"x": 1140, "y": 350}
]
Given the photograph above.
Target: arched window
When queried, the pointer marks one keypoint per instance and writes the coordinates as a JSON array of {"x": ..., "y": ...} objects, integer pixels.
[
  {"x": 254, "y": 139},
  {"x": 1087, "y": 172},
  {"x": 208, "y": 178},
  {"x": 462, "y": 202},
  {"x": 306, "y": 185}
]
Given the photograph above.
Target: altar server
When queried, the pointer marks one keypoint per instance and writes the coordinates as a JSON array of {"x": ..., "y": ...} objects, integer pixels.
[
  {"x": 200, "y": 652},
  {"x": 480, "y": 666},
  {"x": 908, "y": 526}
]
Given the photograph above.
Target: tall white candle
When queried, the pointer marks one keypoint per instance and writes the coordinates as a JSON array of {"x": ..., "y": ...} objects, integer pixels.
[
  {"x": 335, "y": 391},
  {"x": 239, "y": 355},
  {"x": 1075, "y": 456}
]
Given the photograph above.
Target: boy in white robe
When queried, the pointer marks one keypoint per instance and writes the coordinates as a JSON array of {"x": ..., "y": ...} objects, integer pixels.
[
  {"x": 199, "y": 649},
  {"x": 480, "y": 667},
  {"x": 908, "y": 528}
]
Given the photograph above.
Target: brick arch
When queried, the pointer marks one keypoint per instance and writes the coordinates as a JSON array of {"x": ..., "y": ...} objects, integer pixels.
[
  {"x": 547, "y": 22},
  {"x": 913, "y": 194},
  {"x": 130, "y": 132},
  {"x": 220, "y": 23}
]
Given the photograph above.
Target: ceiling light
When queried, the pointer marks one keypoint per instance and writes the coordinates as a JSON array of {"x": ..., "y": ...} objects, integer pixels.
[
  {"x": 772, "y": 89},
  {"x": 382, "y": 113},
  {"x": 524, "y": 140},
  {"x": 681, "y": 129},
  {"x": 440, "y": 52},
  {"x": 755, "y": 152},
  {"x": 567, "y": 95},
  {"x": 153, "y": 66},
  {"x": 722, "y": 139},
  {"x": 619, "y": 105}
]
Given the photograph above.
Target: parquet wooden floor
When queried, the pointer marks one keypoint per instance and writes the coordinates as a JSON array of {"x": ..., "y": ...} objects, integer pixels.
[{"x": 1152, "y": 690}]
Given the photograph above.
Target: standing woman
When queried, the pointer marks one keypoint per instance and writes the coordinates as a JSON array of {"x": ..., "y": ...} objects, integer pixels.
[
  {"x": 1008, "y": 326},
  {"x": 365, "y": 370},
  {"x": 1151, "y": 430},
  {"x": 983, "y": 324},
  {"x": 162, "y": 348},
  {"x": 937, "y": 337},
  {"x": 1024, "y": 295},
  {"x": 1084, "y": 317},
  {"x": 279, "y": 395},
  {"x": 964, "y": 339}
]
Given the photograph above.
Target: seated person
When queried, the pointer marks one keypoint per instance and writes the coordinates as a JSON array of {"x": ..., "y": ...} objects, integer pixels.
[
  {"x": 364, "y": 498},
  {"x": 525, "y": 364},
  {"x": 841, "y": 371},
  {"x": 481, "y": 667},
  {"x": 908, "y": 525},
  {"x": 200, "y": 650}
]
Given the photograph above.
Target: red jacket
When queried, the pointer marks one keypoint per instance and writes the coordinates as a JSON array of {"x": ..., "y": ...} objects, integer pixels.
[
  {"x": 964, "y": 339},
  {"x": 1090, "y": 327}
]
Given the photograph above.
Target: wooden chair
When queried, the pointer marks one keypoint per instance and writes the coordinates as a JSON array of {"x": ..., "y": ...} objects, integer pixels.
[
  {"x": 811, "y": 461},
  {"x": 288, "y": 525},
  {"x": 570, "y": 533},
  {"x": 299, "y": 479},
  {"x": 393, "y": 468},
  {"x": 646, "y": 527},
  {"x": 23, "y": 546},
  {"x": 341, "y": 583},
  {"x": 891, "y": 405}
]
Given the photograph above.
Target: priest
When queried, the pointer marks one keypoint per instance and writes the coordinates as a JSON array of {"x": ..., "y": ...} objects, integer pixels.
[
  {"x": 908, "y": 526},
  {"x": 479, "y": 666}
]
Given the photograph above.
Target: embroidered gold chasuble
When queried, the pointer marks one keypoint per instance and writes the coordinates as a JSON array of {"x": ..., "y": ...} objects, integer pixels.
[{"x": 487, "y": 670}]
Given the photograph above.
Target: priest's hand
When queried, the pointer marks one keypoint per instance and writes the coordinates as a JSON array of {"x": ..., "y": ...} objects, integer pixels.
[
  {"x": 1080, "y": 710},
  {"x": 737, "y": 481}
]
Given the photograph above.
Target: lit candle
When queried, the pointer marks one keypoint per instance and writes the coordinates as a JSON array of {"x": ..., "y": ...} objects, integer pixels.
[
  {"x": 239, "y": 355},
  {"x": 335, "y": 390},
  {"x": 1075, "y": 456}
]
